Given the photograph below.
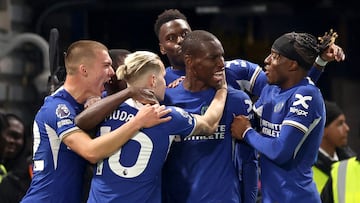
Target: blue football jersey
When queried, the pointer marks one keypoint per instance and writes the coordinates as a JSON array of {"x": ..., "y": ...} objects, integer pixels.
[
  {"x": 173, "y": 74},
  {"x": 58, "y": 171},
  {"x": 200, "y": 168},
  {"x": 291, "y": 125},
  {"x": 242, "y": 75},
  {"x": 133, "y": 174}
]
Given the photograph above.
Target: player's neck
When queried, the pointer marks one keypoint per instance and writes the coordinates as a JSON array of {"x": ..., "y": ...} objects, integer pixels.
[{"x": 194, "y": 85}]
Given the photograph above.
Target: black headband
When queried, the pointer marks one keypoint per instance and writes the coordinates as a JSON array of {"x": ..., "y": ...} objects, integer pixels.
[{"x": 284, "y": 45}]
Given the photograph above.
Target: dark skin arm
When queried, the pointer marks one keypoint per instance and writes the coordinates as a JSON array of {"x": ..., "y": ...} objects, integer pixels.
[
  {"x": 97, "y": 112},
  {"x": 332, "y": 53}
]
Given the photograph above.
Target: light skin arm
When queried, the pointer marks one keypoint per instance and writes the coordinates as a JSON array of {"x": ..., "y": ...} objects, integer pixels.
[
  {"x": 97, "y": 112},
  {"x": 103, "y": 146}
]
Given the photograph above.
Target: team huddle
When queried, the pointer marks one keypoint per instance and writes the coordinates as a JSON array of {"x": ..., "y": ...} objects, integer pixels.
[{"x": 205, "y": 139}]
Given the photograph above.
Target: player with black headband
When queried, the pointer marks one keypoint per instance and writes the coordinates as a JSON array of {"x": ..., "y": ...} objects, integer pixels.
[{"x": 292, "y": 118}]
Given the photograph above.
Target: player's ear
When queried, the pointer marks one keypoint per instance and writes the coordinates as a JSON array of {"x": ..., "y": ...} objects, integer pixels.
[
  {"x": 83, "y": 70},
  {"x": 187, "y": 59},
  {"x": 162, "y": 49},
  {"x": 152, "y": 81},
  {"x": 294, "y": 65}
]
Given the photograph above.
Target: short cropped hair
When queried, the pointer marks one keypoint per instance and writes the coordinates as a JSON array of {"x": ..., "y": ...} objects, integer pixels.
[
  {"x": 166, "y": 16},
  {"x": 79, "y": 51},
  {"x": 193, "y": 41}
]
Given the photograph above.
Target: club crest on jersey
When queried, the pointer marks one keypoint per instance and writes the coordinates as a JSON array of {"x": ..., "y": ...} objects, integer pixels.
[
  {"x": 302, "y": 100},
  {"x": 62, "y": 111},
  {"x": 278, "y": 107}
]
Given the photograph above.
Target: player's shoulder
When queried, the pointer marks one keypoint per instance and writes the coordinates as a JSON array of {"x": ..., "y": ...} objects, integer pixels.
[
  {"x": 178, "y": 112},
  {"x": 55, "y": 102},
  {"x": 236, "y": 93},
  {"x": 239, "y": 63},
  {"x": 308, "y": 94},
  {"x": 309, "y": 88}
]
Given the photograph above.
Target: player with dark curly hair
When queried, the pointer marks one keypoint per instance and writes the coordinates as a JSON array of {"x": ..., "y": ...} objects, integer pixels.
[{"x": 292, "y": 117}]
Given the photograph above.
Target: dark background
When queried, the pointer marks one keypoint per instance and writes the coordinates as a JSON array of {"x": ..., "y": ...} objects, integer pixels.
[{"x": 246, "y": 29}]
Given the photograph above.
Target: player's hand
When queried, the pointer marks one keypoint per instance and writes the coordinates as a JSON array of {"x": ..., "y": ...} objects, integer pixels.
[
  {"x": 90, "y": 101},
  {"x": 333, "y": 52},
  {"x": 151, "y": 115},
  {"x": 239, "y": 125}
]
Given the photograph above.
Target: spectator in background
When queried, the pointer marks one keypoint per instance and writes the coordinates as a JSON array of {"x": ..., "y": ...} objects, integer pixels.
[
  {"x": 334, "y": 144},
  {"x": 343, "y": 185},
  {"x": 15, "y": 159},
  {"x": 3, "y": 125}
]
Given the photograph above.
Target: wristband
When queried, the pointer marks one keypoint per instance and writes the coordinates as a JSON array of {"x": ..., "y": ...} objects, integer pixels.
[{"x": 320, "y": 61}]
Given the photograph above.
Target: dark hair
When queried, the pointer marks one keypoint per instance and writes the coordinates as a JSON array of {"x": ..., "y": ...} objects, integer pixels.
[
  {"x": 332, "y": 112},
  {"x": 10, "y": 116},
  {"x": 3, "y": 123},
  {"x": 116, "y": 55},
  {"x": 166, "y": 16},
  {"x": 193, "y": 40}
]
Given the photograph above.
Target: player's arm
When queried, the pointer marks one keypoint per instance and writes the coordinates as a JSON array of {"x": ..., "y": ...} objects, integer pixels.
[
  {"x": 103, "y": 146},
  {"x": 279, "y": 149},
  {"x": 94, "y": 114}
]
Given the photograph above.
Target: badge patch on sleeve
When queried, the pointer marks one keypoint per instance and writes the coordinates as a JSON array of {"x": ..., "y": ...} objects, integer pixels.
[{"x": 62, "y": 111}]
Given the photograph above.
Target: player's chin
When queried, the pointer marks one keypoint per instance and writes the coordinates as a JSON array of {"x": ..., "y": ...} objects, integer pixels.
[{"x": 217, "y": 84}]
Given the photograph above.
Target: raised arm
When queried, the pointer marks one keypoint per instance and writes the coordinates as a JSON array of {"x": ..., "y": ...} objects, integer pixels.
[
  {"x": 332, "y": 52},
  {"x": 209, "y": 122}
]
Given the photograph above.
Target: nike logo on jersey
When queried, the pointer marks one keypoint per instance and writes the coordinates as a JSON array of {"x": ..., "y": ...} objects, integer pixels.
[{"x": 302, "y": 100}]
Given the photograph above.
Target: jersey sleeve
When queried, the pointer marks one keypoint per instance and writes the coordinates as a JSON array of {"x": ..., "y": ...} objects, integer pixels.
[
  {"x": 245, "y": 75},
  {"x": 245, "y": 156},
  {"x": 182, "y": 123},
  {"x": 240, "y": 100},
  {"x": 64, "y": 118},
  {"x": 314, "y": 74}
]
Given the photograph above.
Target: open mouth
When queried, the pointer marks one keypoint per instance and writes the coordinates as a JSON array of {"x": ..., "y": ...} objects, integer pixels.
[{"x": 219, "y": 75}]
